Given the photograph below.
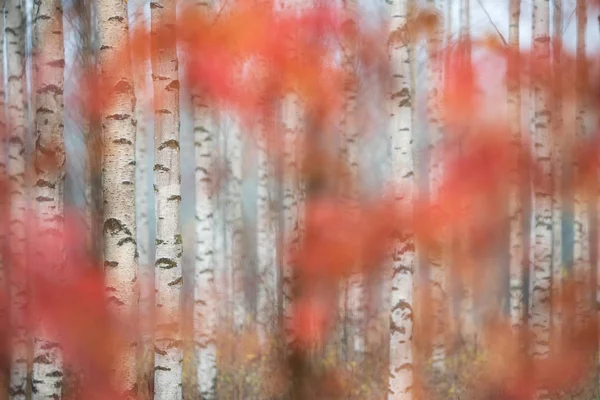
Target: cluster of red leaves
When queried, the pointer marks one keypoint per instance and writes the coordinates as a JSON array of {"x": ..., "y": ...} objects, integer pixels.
[
  {"x": 69, "y": 306},
  {"x": 248, "y": 57}
]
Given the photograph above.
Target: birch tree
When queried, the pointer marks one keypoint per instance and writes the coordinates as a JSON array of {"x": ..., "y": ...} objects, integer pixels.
[
  {"x": 50, "y": 177},
  {"x": 204, "y": 287},
  {"x": 118, "y": 166},
  {"x": 516, "y": 253},
  {"x": 291, "y": 120},
  {"x": 168, "y": 274},
  {"x": 437, "y": 268},
  {"x": 17, "y": 128},
  {"x": 581, "y": 250},
  {"x": 4, "y": 265},
  {"x": 205, "y": 131},
  {"x": 541, "y": 268},
  {"x": 557, "y": 170},
  {"x": 356, "y": 308},
  {"x": 467, "y": 304},
  {"x": 265, "y": 232},
  {"x": 403, "y": 257},
  {"x": 235, "y": 223}
]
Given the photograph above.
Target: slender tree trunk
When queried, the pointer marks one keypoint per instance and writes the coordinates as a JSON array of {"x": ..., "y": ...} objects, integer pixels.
[
  {"x": 205, "y": 299},
  {"x": 266, "y": 232},
  {"x": 349, "y": 152},
  {"x": 92, "y": 130},
  {"x": 168, "y": 277},
  {"x": 4, "y": 264},
  {"x": 541, "y": 269},
  {"x": 516, "y": 253},
  {"x": 557, "y": 176},
  {"x": 467, "y": 301},
  {"x": 235, "y": 224},
  {"x": 581, "y": 250},
  {"x": 292, "y": 126},
  {"x": 17, "y": 128},
  {"x": 143, "y": 178},
  {"x": 119, "y": 133},
  {"x": 438, "y": 270},
  {"x": 404, "y": 255},
  {"x": 49, "y": 187},
  {"x": 266, "y": 238},
  {"x": 205, "y": 132}
]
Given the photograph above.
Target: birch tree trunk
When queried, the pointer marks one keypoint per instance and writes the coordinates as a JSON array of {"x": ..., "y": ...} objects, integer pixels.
[
  {"x": 137, "y": 20},
  {"x": 436, "y": 260},
  {"x": 4, "y": 265},
  {"x": 235, "y": 224},
  {"x": 349, "y": 148},
  {"x": 168, "y": 276},
  {"x": 581, "y": 250},
  {"x": 266, "y": 238},
  {"x": 541, "y": 271},
  {"x": 404, "y": 256},
  {"x": 118, "y": 186},
  {"x": 17, "y": 128},
  {"x": 47, "y": 372},
  {"x": 91, "y": 127},
  {"x": 557, "y": 173},
  {"x": 204, "y": 288},
  {"x": 205, "y": 296},
  {"x": 516, "y": 253},
  {"x": 292, "y": 126},
  {"x": 467, "y": 303}
]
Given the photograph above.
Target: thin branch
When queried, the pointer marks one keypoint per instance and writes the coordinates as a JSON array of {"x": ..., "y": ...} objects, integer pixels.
[{"x": 493, "y": 24}]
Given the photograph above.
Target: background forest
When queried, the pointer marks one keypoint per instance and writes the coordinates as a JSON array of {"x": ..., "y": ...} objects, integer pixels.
[{"x": 299, "y": 199}]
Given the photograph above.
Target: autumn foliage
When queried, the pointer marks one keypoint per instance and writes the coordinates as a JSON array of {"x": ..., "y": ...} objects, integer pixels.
[{"x": 246, "y": 59}]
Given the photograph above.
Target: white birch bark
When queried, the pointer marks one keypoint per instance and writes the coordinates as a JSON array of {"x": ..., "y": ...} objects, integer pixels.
[
  {"x": 349, "y": 152},
  {"x": 234, "y": 224},
  {"x": 17, "y": 128},
  {"x": 168, "y": 274},
  {"x": 205, "y": 131},
  {"x": 403, "y": 175},
  {"x": 291, "y": 120},
  {"x": 291, "y": 126},
  {"x": 205, "y": 296},
  {"x": 4, "y": 265},
  {"x": 581, "y": 250},
  {"x": 541, "y": 268},
  {"x": 557, "y": 172},
  {"x": 516, "y": 252},
  {"x": 265, "y": 241},
  {"x": 436, "y": 261},
  {"x": 47, "y": 371},
  {"x": 143, "y": 178},
  {"x": 467, "y": 305},
  {"x": 118, "y": 186}
]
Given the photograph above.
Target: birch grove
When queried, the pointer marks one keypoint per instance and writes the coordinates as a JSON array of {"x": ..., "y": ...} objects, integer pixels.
[{"x": 383, "y": 199}]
